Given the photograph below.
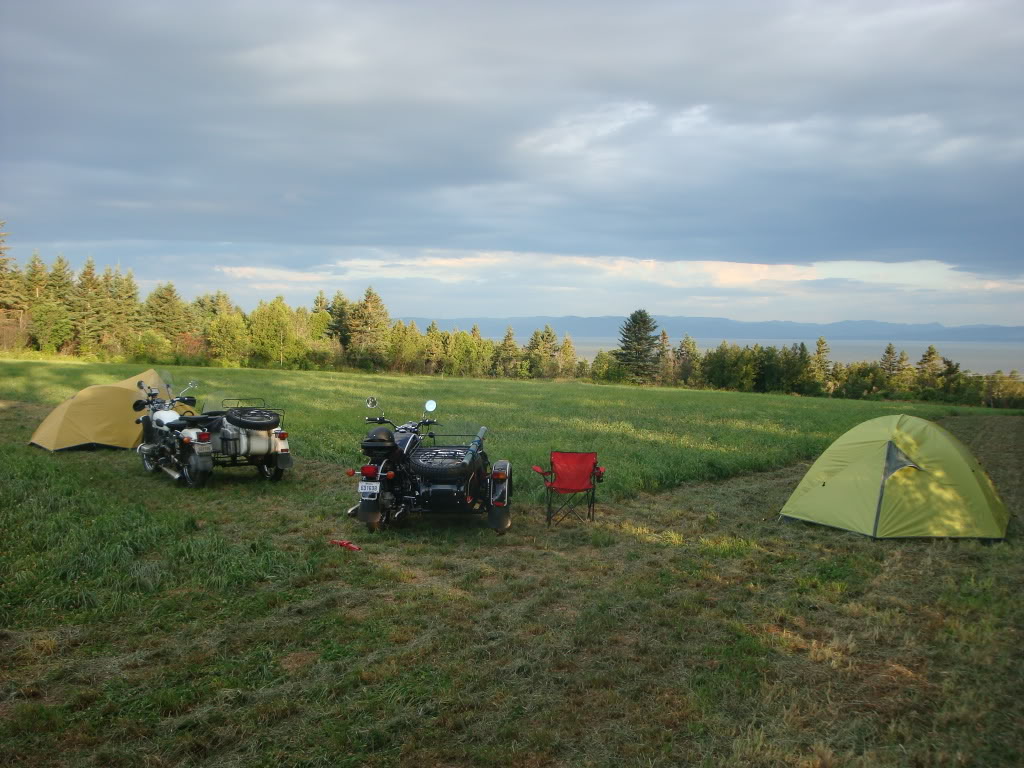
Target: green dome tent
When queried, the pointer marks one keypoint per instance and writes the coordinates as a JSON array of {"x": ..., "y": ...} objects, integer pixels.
[{"x": 900, "y": 476}]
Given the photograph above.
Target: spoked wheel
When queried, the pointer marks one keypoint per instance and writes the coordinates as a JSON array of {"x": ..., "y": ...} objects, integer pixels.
[
  {"x": 253, "y": 418},
  {"x": 267, "y": 472},
  {"x": 192, "y": 478},
  {"x": 148, "y": 464}
]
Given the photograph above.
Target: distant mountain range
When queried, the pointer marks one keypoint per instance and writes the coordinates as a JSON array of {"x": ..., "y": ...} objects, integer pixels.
[{"x": 725, "y": 329}]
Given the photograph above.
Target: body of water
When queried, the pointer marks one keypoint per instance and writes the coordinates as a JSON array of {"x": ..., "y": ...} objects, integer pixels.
[{"x": 975, "y": 356}]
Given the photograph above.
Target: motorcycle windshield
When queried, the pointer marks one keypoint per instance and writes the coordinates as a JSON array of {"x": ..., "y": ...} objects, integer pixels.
[{"x": 167, "y": 391}]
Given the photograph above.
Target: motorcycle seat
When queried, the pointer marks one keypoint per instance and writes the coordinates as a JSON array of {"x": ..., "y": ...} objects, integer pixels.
[{"x": 200, "y": 419}]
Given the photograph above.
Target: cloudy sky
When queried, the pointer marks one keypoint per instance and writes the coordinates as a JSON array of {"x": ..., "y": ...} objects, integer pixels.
[{"x": 757, "y": 159}]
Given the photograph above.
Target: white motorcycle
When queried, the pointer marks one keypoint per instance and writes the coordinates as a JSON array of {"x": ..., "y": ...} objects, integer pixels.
[{"x": 187, "y": 445}]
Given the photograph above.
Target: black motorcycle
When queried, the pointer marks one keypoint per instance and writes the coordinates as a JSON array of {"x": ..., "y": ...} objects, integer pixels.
[{"x": 404, "y": 474}]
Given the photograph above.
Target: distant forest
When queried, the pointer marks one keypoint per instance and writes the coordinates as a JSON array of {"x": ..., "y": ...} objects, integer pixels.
[{"x": 98, "y": 315}]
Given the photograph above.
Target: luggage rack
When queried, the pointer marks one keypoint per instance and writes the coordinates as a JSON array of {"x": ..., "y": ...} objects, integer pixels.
[
  {"x": 440, "y": 455},
  {"x": 251, "y": 402}
]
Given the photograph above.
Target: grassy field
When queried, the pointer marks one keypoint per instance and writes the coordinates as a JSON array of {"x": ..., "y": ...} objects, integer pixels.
[{"x": 144, "y": 624}]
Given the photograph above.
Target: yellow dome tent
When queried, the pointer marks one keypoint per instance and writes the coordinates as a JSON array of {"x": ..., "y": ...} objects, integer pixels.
[
  {"x": 100, "y": 415},
  {"x": 896, "y": 477}
]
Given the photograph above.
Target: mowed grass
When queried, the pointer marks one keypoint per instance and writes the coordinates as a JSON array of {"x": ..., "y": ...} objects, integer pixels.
[{"x": 144, "y": 624}]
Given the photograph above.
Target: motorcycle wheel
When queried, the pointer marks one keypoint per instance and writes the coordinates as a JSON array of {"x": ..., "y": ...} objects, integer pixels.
[
  {"x": 371, "y": 509},
  {"x": 267, "y": 472},
  {"x": 192, "y": 479},
  {"x": 148, "y": 464}
]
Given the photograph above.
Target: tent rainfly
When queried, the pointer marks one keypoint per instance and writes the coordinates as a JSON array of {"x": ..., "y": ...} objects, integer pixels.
[
  {"x": 97, "y": 416},
  {"x": 897, "y": 477}
]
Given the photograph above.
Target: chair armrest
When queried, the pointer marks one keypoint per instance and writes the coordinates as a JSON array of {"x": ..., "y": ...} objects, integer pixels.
[{"x": 540, "y": 471}]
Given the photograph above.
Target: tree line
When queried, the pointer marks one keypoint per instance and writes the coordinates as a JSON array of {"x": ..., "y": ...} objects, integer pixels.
[{"x": 99, "y": 315}]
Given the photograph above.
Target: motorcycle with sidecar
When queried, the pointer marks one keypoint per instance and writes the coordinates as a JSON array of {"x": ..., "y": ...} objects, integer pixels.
[{"x": 405, "y": 474}]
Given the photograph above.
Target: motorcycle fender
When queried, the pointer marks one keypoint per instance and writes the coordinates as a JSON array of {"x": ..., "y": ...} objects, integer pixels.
[
  {"x": 501, "y": 490},
  {"x": 369, "y": 510},
  {"x": 199, "y": 463},
  {"x": 499, "y": 513},
  {"x": 283, "y": 460}
]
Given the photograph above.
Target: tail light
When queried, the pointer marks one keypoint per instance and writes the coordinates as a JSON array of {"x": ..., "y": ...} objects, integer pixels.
[
  {"x": 369, "y": 471},
  {"x": 390, "y": 475},
  {"x": 186, "y": 440},
  {"x": 282, "y": 435},
  {"x": 203, "y": 437},
  {"x": 350, "y": 472},
  {"x": 499, "y": 475}
]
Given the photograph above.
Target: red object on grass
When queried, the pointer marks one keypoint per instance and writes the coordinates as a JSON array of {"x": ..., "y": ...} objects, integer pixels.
[{"x": 346, "y": 544}]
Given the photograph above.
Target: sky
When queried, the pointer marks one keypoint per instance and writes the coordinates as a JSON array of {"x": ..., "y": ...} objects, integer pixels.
[{"x": 812, "y": 161}]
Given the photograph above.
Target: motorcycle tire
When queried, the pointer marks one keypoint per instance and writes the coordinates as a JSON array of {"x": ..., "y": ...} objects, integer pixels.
[
  {"x": 192, "y": 478},
  {"x": 148, "y": 464},
  {"x": 439, "y": 464},
  {"x": 267, "y": 472},
  {"x": 253, "y": 418}
]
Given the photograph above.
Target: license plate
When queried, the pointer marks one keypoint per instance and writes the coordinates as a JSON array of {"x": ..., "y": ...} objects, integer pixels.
[
  {"x": 202, "y": 447},
  {"x": 365, "y": 487}
]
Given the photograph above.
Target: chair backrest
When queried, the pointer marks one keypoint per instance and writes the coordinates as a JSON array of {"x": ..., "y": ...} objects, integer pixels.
[{"x": 573, "y": 471}]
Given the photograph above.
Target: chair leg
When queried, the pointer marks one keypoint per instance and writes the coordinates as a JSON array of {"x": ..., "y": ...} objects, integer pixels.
[
  {"x": 550, "y": 513},
  {"x": 591, "y": 497}
]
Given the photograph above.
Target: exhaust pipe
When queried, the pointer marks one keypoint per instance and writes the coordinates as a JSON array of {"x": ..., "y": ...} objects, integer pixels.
[{"x": 173, "y": 473}]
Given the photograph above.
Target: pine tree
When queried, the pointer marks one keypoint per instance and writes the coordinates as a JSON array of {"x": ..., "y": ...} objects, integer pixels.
[
  {"x": 12, "y": 296},
  {"x": 88, "y": 309},
  {"x": 320, "y": 302},
  {"x": 164, "y": 311},
  {"x": 567, "y": 358},
  {"x": 370, "y": 328},
  {"x": 688, "y": 363},
  {"x": 928, "y": 368},
  {"x": 434, "y": 352},
  {"x": 888, "y": 361},
  {"x": 506, "y": 357},
  {"x": 820, "y": 364},
  {"x": 50, "y": 326},
  {"x": 272, "y": 333},
  {"x": 339, "y": 329},
  {"x": 637, "y": 352},
  {"x": 60, "y": 283},
  {"x": 34, "y": 280},
  {"x": 666, "y": 361}
]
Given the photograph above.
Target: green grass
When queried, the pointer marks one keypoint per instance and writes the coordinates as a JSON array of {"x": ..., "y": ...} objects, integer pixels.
[
  {"x": 145, "y": 624},
  {"x": 650, "y": 439}
]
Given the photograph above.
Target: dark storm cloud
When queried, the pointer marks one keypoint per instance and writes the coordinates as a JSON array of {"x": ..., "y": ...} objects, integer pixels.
[{"x": 759, "y": 132}]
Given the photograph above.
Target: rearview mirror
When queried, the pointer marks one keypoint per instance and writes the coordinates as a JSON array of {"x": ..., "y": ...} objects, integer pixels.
[
  {"x": 139, "y": 405},
  {"x": 141, "y": 385},
  {"x": 430, "y": 406},
  {"x": 371, "y": 402}
]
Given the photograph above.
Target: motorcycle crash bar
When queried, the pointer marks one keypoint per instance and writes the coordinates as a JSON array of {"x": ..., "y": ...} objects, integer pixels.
[{"x": 474, "y": 446}]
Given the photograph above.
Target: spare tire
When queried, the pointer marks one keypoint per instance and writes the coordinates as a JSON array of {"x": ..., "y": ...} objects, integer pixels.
[
  {"x": 440, "y": 462},
  {"x": 253, "y": 418}
]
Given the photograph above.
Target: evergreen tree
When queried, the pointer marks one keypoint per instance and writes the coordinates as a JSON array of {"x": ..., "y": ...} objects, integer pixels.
[
  {"x": 506, "y": 357},
  {"x": 89, "y": 308},
  {"x": 928, "y": 368},
  {"x": 34, "y": 280},
  {"x": 567, "y": 358},
  {"x": 370, "y": 329},
  {"x": 12, "y": 296},
  {"x": 666, "y": 360},
  {"x": 164, "y": 311},
  {"x": 820, "y": 365},
  {"x": 688, "y": 363},
  {"x": 434, "y": 349},
  {"x": 60, "y": 283},
  {"x": 638, "y": 347},
  {"x": 50, "y": 326},
  {"x": 889, "y": 361},
  {"x": 338, "y": 328},
  {"x": 320, "y": 302}
]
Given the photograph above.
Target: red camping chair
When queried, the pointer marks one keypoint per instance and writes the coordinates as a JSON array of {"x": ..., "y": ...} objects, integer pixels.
[{"x": 574, "y": 476}]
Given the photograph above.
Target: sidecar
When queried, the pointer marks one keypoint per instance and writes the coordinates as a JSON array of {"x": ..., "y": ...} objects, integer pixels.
[
  {"x": 244, "y": 433},
  {"x": 460, "y": 479}
]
